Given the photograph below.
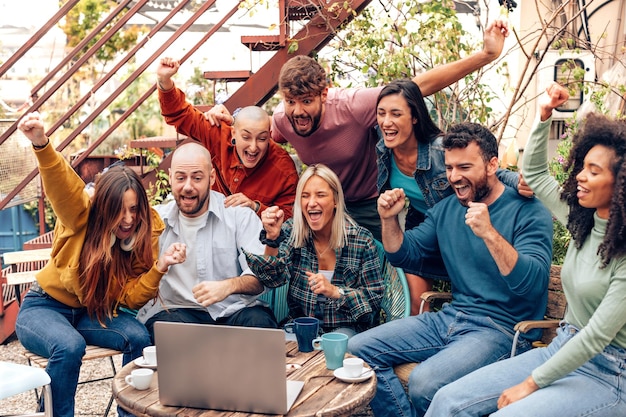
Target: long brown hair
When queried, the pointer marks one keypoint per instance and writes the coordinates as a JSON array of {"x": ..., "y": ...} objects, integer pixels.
[{"x": 104, "y": 268}]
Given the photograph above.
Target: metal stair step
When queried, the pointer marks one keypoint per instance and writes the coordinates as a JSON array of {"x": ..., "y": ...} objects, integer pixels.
[
  {"x": 228, "y": 75},
  {"x": 263, "y": 43},
  {"x": 301, "y": 9}
]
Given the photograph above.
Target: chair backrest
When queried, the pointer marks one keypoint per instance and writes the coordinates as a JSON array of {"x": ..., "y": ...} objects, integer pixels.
[
  {"x": 277, "y": 300},
  {"x": 22, "y": 266},
  {"x": 396, "y": 303},
  {"x": 26, "y": 260},
  {"x": 40, "y": 242}
]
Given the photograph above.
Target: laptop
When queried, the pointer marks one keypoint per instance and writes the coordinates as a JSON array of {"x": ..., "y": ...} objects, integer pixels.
[{"x": 223, "y": 368}]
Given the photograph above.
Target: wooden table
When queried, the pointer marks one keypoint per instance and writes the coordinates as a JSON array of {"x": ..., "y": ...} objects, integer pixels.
[{"x": 322, "y": 395}]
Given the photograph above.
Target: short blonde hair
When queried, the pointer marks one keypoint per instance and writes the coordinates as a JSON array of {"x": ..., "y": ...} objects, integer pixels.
[{"x": 301, "y": 231}]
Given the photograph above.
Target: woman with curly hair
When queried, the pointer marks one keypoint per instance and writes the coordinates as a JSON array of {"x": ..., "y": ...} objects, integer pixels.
[
  {"x": 105, "y": 255},
  {"x": 582, "y": 371}
]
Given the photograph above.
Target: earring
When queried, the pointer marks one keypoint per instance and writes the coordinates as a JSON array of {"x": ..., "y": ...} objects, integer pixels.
[
  {"x": 113, "y": 239},
  {"x": 232, "y": 141},
  {"x": 127, "y": 244}
]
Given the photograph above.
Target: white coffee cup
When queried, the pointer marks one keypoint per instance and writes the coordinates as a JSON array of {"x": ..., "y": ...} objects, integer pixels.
[
  {"x": 353, "y": 367},
  {"x": 140, "y": 378},
  {"x": 149, "y": 355}
]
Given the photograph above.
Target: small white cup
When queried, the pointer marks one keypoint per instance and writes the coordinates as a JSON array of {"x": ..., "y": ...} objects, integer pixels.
[
  {"x": 140, "y": 378},
  {"x": 149, "y": 355},
  {"x": 353, "y": 367}
]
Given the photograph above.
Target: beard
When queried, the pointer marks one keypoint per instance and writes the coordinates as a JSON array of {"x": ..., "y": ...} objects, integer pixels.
[
  {"x": 191, "y": 211},
  {"x": 481, "y": 190},
  {"x": 315, "y": 124},
  {"x": 478, "y": 192}
]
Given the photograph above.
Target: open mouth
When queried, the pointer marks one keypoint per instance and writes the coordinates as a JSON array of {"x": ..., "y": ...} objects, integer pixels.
[
  {"x": 462, "y": 190},
  {"x": 315, "y": 215},
  {"x": 390, "y": 134},
  {"x": 302, "y": 122},
  {"x": 250, "y": 156},
  {"x": 125, "y": 229},
  {"x": 582, "y": 191},
  {"x": 188, "y": 199}
]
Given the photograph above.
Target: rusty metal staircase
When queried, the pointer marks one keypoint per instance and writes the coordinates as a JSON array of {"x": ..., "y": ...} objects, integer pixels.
[
  {"x": 319, "y": 21},
  {"x": 316, "y": 22}
]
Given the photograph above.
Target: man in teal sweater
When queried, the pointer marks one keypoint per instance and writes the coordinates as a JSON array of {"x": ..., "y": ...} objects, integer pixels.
[{"x": 496, "y": 246}]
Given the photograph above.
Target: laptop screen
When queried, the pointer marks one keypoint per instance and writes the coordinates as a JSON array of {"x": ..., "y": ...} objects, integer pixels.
[{"x": 222, "y": 367}]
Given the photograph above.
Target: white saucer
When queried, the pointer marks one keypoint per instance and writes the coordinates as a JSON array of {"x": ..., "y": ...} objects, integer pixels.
[
  {"x": 341, "y": 374},
  {"x": 142, "y": 363}
]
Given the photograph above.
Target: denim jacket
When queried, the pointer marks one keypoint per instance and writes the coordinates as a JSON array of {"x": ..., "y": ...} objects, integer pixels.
[{"x": 430, "y": 172}]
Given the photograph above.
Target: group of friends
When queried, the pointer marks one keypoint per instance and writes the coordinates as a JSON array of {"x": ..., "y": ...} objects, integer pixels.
[{"x": 243, "y": 221}]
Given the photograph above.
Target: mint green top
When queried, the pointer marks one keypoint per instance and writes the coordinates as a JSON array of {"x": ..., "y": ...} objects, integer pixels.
[{"x": 596, "y": 298}]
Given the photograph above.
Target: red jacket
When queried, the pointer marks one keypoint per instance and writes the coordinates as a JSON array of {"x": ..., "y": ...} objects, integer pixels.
[{"x": 272, "y": 182}]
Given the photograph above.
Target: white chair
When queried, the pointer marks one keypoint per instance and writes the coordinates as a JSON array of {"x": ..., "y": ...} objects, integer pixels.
[{"x": 16, "y": 379}]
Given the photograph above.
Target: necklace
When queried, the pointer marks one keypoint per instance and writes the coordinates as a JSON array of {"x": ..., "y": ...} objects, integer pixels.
[{"x": 319, "y": 254}]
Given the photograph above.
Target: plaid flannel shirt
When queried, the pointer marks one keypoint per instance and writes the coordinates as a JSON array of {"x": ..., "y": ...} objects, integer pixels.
[{"x": 358, "y": 272}]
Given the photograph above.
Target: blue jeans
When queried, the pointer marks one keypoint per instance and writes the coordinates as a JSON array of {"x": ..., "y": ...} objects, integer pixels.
[
  {"x": 594, "y": 389},
  {"x": 61, "y": 333},
  {"x": 448, "y": 344}
]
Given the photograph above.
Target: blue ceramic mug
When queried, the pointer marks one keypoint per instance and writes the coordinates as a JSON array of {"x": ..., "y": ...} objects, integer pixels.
[
  {"x": 306, "y": 329},
  {"x": 334, "y": 345}
]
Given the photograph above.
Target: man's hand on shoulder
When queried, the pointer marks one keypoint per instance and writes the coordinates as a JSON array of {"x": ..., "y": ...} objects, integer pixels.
[
  {"x": 239, "y": 199},
  {"x": 219, "y": 113},
  {"x": 522, "y": 187}
]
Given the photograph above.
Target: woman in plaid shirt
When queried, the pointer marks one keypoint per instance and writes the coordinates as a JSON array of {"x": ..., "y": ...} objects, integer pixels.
[{"x": 331, "y": 263}]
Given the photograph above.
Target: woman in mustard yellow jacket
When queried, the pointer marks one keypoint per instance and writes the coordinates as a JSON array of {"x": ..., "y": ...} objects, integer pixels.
[{"x": 105, "y": 255}]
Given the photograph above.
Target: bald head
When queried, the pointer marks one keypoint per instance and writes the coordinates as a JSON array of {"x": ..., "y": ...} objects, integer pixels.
[
  {"x": 191, "y": 178},
  {"x": 192, "y": 153},
  {"x": 251, "y": 135},
  {"x": 251, "y": 114}
]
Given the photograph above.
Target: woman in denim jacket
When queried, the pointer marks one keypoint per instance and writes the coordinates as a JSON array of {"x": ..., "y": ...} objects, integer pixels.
[{"x": 410, "y": 156}]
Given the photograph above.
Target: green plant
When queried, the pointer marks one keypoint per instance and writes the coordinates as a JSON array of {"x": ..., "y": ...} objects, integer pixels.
[
  {"x": 158, "y": 191},
  {"x": 49, "y": 217},
  {"x": 376, "y": 48},
  {"x": 561, "y": 236}
]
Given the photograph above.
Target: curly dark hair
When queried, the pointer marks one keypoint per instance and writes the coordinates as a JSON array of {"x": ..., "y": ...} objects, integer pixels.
[
  {"x": 302, "y": 75},
  {"x": 598, "y": 130}
]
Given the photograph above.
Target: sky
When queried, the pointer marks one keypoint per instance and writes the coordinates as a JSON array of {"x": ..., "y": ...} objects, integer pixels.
[
  {"x": 26, "y": 12},
  {"x": 223, "y": 51}
]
